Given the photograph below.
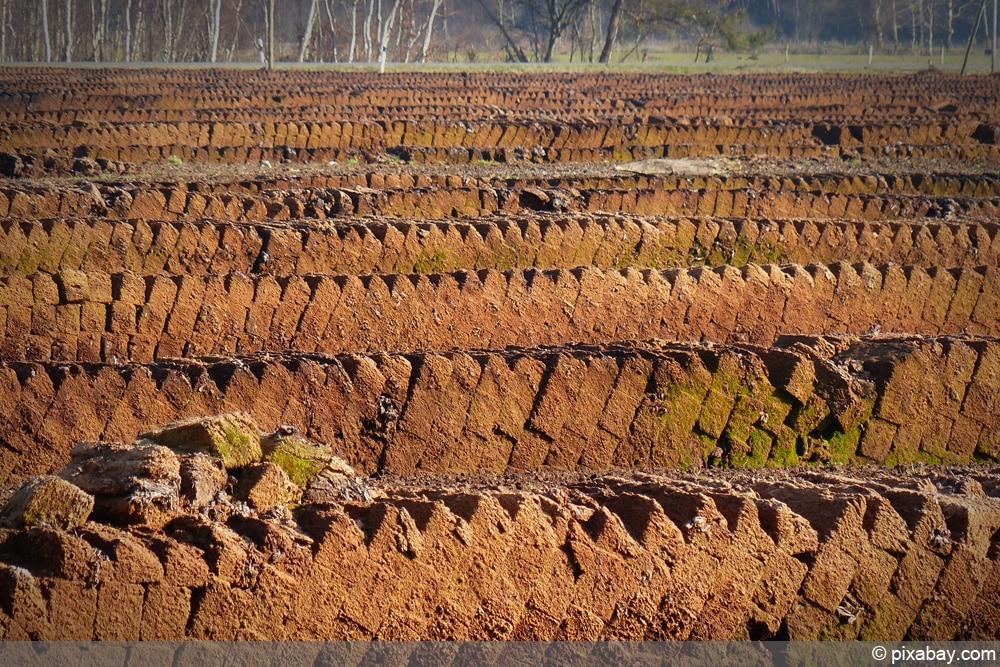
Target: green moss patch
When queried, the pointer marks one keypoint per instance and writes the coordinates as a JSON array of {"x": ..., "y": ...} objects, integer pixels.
[{"x": 234, "y": 438}]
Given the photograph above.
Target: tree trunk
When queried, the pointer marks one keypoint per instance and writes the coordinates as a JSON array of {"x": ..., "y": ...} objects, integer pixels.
[
  {"x": 45, "y": 31},
  {"x": 69, "y": 31},
  {"x": 878, "y": 22},
  {"x": 950, "y": 28},
  {"x": 612, "y": 34},
  {"x": 430, "y": 27},
  {"x": 3, "y": 30},
  {"x": 217, "y": 11},
  {"x": 895, "y": 28},
  {"x": 972, "y": 35},
  {"x": 333, "y": 30},
  {"x": 412, "y": 34},
  {"x": 309, "y": 28},
  {"x": 386, "y": 31},
  {"x": 550, "y": 45},
  {"x": 354, "y": 31},
  {"x": 378, "y": 26},
  {"x": 139, "y": 29},
  {"x": 593, "y": 31},
  {"x": 97, "y": 22},
  {"x": 368, "y": 29},
  {"x": 128, "y": 31},
  {"x": 236, "y": 33},
  {"x": 930, "y": 28},
  {"x": 168, "y": 29},
  {"x": 270, "y": 35}
]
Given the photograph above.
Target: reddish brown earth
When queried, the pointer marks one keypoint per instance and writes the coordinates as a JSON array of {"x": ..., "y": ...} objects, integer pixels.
[
  {"x": 623, "y": 556},
  {"x": 750, "y": 392}
]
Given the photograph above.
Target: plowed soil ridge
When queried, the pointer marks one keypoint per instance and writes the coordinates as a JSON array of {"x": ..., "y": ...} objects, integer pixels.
[
  {"x": 816, "y": 400},
  {"x": 375, "y": 245},
  {"x": 878, "y": 556},
  {"x": 309, "y": 95},
  {"x": 448, "y": 118},
  {"x": 457, "y": 142},
  {"x": 277, "y": 183},
  {"x": 122, "y": 317},
  {"x": 115, "y": 203}
]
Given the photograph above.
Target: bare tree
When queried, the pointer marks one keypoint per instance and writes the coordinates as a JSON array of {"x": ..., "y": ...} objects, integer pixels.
[
  {"x": 386, "y": 31},
  {"x": 558, "y": 15},
  {"x": 173, "y": 27},
  {"x": 972, "y": 35},
  {"x": 69, "y": 31},
  {"x": 128, "y": 30},
  {"x": 368, "y": 28},
  {"x": 168, "y": 28},
  {"x": 546, "y": 21},
  {"x": 436, "y": 4},
  {"x": 3, "y": 30},
  {"x": 98, "y": 22},
  {"x": 333, "y": 29},
  {"x": 354, "y": 31},
  {"x": 511, "y": 46},
  {"x": 139, "y": 30},
  {"x": 215, "y": 24},
  {"x": 877, "y": 8},
  {"x": 412, "y": 33},
  {"x": 238, "y": 14},
  {"x": 270, "y": 35},
  {"x": 930, "y": 27},
  {"x": 611, "y": 35},
  {"x": 954, "y": 12},
  {"x": 45, "y": 30},
  {"x": 308, "y": 32}
]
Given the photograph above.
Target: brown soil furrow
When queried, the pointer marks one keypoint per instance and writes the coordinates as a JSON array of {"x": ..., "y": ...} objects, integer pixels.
[
  {"x": 629, "y": 557},
  {"x": 567, "y": 241},
  {"x": 324, "y": 187},
  {"x": 234, "y": 141},
  {"x": 833, "y": 400},
  {"x": 146, "y": 318},
  {"x": 306, "y": 95},
  {"x": 756, "y": 201}
]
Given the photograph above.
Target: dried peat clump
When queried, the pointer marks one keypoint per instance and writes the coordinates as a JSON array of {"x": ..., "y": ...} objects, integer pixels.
[
  {"x": 48, "y": 501},
  {"x": 233, "y": 438},
  {"x": 189, "y": 466},
  {"x": 131, "y": 484}
]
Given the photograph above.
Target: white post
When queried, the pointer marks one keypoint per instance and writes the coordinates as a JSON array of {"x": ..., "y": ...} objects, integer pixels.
[
  {"x": 871, "y": 52},
  {"x": 942, "y": 56},
  {"x": 786, "y": 53}
]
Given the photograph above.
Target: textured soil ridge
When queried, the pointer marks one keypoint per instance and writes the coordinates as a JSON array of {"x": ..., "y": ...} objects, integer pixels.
[
  {"x": 489, "y": 356},
  {"x": 819, "y": 400},
  {"x": 544, "y": 241},
  {"x": 123, "y": 317},
  {"x": 880, "y": 556}
]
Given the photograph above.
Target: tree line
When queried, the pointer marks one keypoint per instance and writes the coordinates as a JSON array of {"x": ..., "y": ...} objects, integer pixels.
[{"x": 363, "y": 31}]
